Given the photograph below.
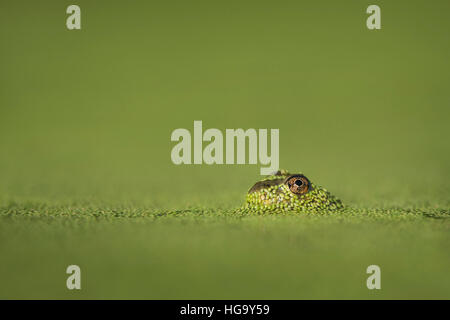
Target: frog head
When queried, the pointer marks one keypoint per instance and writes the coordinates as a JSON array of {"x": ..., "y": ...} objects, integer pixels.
[{"x": 284, "y": 191}]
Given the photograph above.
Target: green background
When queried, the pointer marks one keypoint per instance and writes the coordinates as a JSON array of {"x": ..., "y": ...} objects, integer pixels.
[{"x": 86, "y": 176}]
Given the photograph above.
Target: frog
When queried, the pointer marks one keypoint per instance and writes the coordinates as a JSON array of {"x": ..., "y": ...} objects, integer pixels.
[{"x": 286, "y": 192}]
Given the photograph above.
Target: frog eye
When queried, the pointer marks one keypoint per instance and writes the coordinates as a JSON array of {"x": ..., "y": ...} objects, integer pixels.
[{"x": 298, "y": 184}]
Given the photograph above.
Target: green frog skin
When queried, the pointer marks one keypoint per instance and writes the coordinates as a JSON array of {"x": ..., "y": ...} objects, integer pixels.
[{"x": 283, "y": 192}]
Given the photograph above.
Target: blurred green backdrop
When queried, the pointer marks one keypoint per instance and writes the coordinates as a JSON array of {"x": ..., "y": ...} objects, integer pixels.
[{"x": 85, "y": 123}]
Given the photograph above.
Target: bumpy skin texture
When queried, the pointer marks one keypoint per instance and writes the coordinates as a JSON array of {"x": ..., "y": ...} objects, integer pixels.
[{"x": 284, "y": 192}]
